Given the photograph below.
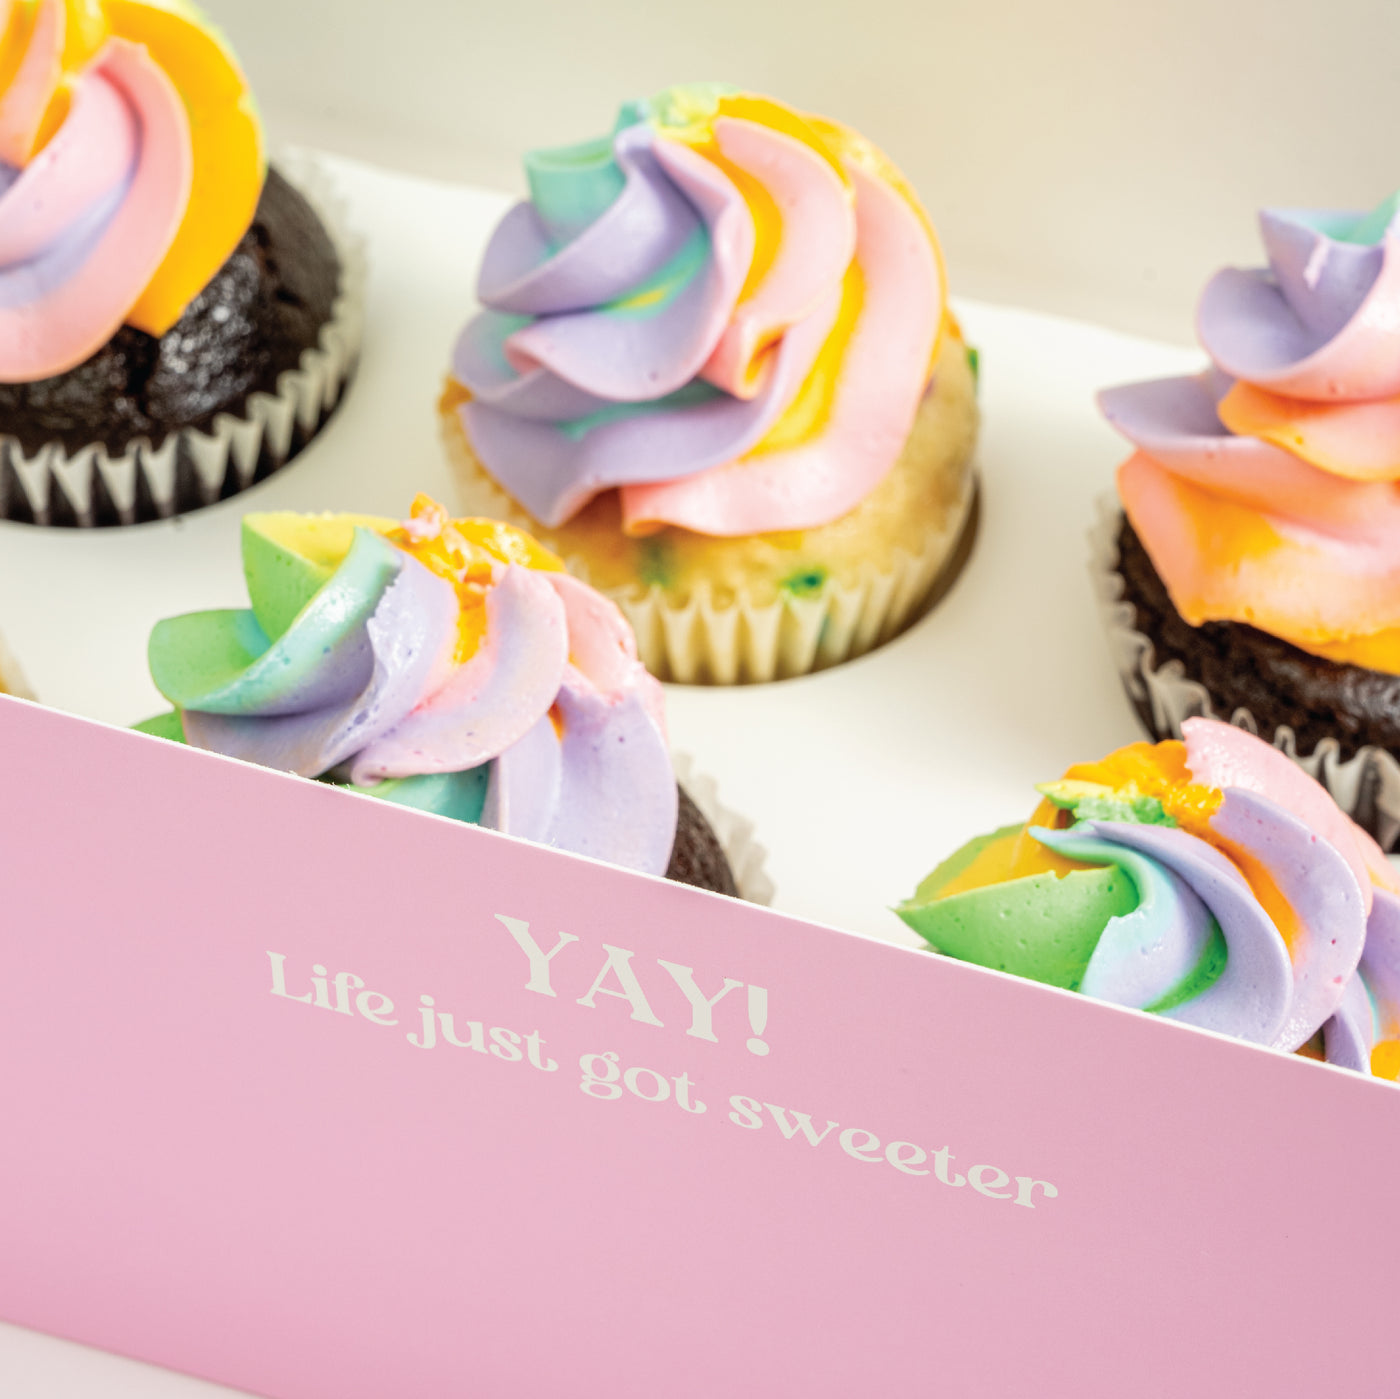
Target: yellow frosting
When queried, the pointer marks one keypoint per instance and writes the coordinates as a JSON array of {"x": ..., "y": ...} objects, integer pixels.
[
  {"x": 465, "y": 553},
  {"x": 229, "y": 161}
]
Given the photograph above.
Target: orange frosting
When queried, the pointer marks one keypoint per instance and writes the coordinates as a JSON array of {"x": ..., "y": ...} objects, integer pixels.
[{"x": 1337, "y": 597}]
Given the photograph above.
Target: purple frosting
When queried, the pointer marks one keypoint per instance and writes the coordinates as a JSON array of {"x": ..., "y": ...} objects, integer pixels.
[{"x": 1250, "y": 999}]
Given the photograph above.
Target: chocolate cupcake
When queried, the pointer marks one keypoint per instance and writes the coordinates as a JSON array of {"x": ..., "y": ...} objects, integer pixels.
[
  {"x": 1254, "y": 574},
  {"x": 447, "y": 665},
  {"x": 177, "y": 321},
  {"x": 1208, "y": 882}
]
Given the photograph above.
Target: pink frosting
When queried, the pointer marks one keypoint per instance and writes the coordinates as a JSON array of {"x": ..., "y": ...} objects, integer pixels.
[
  {"x": 818, "y": 241},
  {"x": 880, "y": 384},
  {"x": 720, "y": 265},
  {"x": 24, "y": 102},
  {"x": 62, "y": 324}
]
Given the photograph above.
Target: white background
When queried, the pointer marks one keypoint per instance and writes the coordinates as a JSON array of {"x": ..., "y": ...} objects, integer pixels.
[
  {"x": 1093, "y": 157},
  {"x": 1096, "y": 158}
]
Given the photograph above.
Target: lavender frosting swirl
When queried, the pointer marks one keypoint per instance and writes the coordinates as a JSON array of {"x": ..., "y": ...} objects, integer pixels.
[{"x": 447, "y": 665}]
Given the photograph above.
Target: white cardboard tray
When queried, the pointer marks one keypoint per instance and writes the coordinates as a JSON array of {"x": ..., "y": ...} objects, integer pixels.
[{"x": 858, "y": 779}]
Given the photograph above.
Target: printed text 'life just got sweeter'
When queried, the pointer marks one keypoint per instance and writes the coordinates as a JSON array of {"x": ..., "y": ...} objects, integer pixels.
[{"x": 604, "y": 1076}]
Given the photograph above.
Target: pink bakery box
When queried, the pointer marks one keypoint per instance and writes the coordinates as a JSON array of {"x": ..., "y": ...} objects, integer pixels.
[{"x": 316, "y": 1096}]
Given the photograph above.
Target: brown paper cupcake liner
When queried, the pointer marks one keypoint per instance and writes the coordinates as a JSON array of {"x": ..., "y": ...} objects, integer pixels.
[
  {"x": 1366, "y": 785},
  {"x": 192, "y": 468}
]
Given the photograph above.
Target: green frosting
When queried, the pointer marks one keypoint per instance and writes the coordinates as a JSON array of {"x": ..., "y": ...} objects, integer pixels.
[
  {"x": 655, "y": 293},
  {"x": 1041, "y": 926},
  {"x": 1372, "y": 228},
  {"x": 681, "y": 105},
  {"x": 280, "y": 580},
  {"x": 571, "y": 185},
  {"x": 223, "y": 662},
  {"x": 1091, "y": 802},
  {"x": 687, "y": 396},
  {"x": 163, "y": 726},
  {"x": 1200, "y": 978},
  {"x": 461, "y": 796}
]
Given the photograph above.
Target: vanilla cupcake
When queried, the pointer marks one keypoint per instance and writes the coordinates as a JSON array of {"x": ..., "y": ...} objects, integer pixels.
[
  {"x": 718, "y": 375},
  {"x": 176, "y": 320}
]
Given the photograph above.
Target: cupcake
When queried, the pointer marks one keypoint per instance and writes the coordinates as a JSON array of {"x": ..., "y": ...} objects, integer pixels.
[
  {"x": 1254, "y": 574},
  {"x": 176, "y": 319},
  {"x": 717, "y": 373},
  {"x": 1211, "y": 882},
  {"x": 447, "y": 665}
]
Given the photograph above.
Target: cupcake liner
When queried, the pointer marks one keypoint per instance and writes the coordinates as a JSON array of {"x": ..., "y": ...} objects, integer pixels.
[
  {"x": 738, "y": 640},
  {"x": 747, "y": 858},
  {"x": 12, "y": 681},
  {"x": 725, "y": 643},
  {"x": 1366, "y": 786},
  {"x": 192, "y": 467}
]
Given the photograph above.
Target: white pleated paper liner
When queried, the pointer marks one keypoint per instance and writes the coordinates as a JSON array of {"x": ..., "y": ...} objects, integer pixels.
[
  {"x": 1366, "y": 786},
  {"x": 741, "y": 641},
  {"x": 192, "y": 468},
  {"x": 738, "y": 641},
  {"x": 747, "y": 858}
]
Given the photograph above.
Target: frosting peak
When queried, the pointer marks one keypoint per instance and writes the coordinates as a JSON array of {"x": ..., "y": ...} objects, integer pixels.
[
  {"x": 131, "y": 162},
  {"x": 445, "y": 664},
  {"x": 1209, "y": 881},
  {"x": 1268, "y": 490},
  {"x": 726, "y": 310}
]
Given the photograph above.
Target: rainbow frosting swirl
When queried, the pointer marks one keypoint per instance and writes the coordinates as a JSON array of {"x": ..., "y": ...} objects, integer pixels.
[
  {"x": 727, "y": 311},
  {"x": 131, "y": 162},
  {"x": 1210, "y": 881},
  {"x": 449, "y": 665},
  {"x": 1267, "y": 490}
]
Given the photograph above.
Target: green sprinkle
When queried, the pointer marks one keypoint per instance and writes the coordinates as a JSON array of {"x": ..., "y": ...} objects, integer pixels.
[
  {"x": 654, "y": 562},
  {"x": 807, "y": 582},
  {"x": 974, "y": 363}
]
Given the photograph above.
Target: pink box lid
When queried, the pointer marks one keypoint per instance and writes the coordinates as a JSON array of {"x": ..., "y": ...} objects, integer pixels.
[{"x": 681, "y": 1145}]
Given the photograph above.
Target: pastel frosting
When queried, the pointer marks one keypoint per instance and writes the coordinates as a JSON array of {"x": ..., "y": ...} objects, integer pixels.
[
  {"x": 1267, "y": 490},
  {"x": 1210, "y": 881},
  {"x": 449, "y": 665},
  {"x": 727, "y": 311},
  {"x": 131, "y": 162}
]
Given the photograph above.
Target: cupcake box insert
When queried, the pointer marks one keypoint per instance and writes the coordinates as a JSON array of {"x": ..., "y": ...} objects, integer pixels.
[{"x": 316, "y": 1096}]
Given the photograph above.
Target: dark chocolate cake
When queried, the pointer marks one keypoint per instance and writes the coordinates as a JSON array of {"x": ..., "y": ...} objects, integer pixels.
[
  {"x": 264, "y": 307},
  {"x": 1244, "y": 668},
  {"x": 697, "y": 857}
]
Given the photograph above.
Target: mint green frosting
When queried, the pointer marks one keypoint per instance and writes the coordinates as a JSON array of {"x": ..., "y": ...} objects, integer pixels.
[
  {"x": 571, "y": 185},
  {"x": 461, "y": 796},
  {"x": 1202, "y": 976},
  {"x": 458, "y": 795},
  {"x": 687, "y": 396},
  {"x": 223, "y": 662}
]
